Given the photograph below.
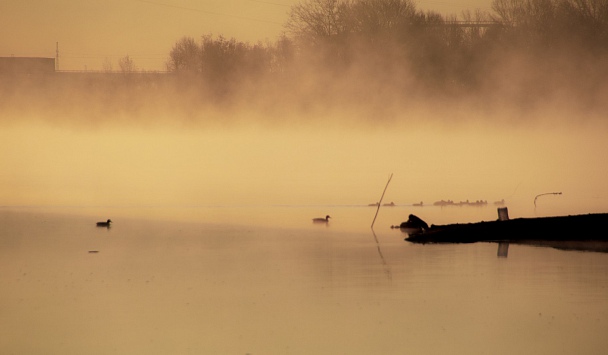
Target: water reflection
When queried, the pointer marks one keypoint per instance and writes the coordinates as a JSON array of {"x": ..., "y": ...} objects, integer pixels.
[
  {"x": 193, "y": 287},
  {"x": 387, "y": 269},
  {"x": 503, "y": 250},
  {"x": 572, "y": 245},
  {"x": 585, "y": 246}
]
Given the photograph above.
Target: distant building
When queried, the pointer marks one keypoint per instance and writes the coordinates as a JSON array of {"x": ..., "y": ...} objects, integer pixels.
[{"x": 26, "y": 65}]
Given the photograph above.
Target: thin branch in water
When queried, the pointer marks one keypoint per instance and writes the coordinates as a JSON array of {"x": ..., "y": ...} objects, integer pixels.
[{"x": 380, "y": 202}]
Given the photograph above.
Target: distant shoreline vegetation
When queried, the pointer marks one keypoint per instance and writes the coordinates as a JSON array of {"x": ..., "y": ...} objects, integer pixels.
[{"x": 374, "y": 57}]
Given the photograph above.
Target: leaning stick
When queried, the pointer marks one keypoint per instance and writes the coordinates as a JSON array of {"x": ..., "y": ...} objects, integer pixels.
[{"x": 381, "y": 197}]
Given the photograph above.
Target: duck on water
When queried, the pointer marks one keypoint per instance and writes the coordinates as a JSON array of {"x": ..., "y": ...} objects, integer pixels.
[
  {"x": 321, "y": 220},
  {"x": 104, "y": 224}
]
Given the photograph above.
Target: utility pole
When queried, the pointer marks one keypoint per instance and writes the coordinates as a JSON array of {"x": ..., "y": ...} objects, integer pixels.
[{"x": 56, "y": 56}]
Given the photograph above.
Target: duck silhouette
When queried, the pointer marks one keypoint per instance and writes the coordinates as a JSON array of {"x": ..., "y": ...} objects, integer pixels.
[
  {"x": 104, "y": 224},
  {"x": 321, "y": 220}
]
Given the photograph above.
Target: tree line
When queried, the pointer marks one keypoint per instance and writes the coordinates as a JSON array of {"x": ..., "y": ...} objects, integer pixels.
[
  {"x": 398, "y": 42},
  {"x": 360, "y": 58}
]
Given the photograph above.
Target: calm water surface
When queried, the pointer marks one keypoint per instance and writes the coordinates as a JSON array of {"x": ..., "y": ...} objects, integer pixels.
[{"x": 265, "y": 280}]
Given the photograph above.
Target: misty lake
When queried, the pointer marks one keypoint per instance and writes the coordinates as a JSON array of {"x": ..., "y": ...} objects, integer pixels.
[
  {"x": 213, "y": 169},
  {"x": 165, "y": 287},
  {"x": 213, "y": 251}
]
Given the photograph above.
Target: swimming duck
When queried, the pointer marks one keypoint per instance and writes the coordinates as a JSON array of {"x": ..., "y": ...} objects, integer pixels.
[
  {"x": 104, "y": 224},
  {"x": 321, "y": 220}
]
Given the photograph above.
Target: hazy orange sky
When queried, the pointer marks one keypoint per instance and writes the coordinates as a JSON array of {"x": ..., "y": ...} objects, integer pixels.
[{"x": 89, "y": 31}]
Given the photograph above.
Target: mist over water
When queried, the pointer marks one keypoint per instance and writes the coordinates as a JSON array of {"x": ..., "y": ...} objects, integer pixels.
[
  {"x": 213, "y": 248},
  {"x": 212, "y": 173},
  {"x": 327, "y": 162},
  {"x": 454, "y": 113}
]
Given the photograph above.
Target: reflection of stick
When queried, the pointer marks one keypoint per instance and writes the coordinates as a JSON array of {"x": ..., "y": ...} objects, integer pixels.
[
  {"x": 381, "y": 197},
  {"x": 548, "y": 193},
  {"x": 386, "y": 269}
]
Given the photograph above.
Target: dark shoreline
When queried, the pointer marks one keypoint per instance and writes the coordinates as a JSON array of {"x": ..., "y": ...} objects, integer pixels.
[{"x": 575, "y": 228}]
